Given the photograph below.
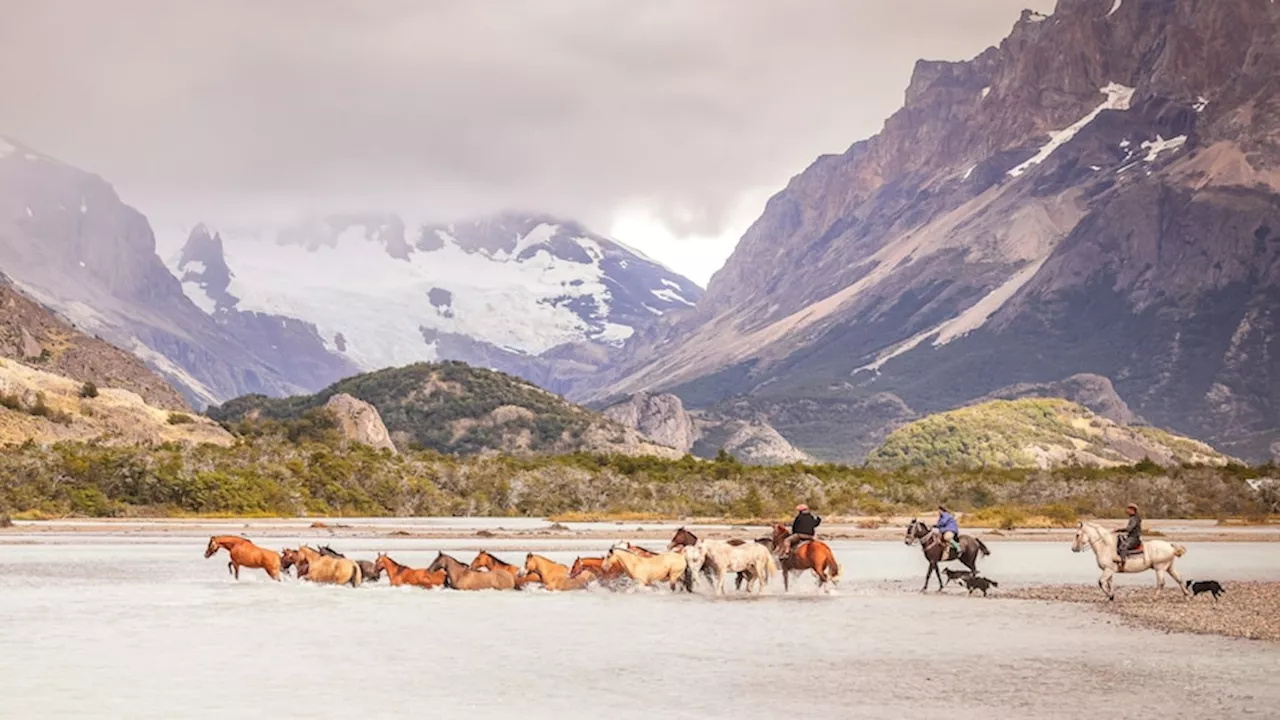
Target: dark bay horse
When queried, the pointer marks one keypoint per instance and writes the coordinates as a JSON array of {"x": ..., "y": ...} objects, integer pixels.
[
  {"x": 937, "y": 552},
  {"x": 812, "y": 555},
  {"x": 244, "y": 554}
]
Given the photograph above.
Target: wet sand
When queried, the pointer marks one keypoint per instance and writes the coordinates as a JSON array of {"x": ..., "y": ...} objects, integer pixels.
[{"x": 1246, "y": 610}]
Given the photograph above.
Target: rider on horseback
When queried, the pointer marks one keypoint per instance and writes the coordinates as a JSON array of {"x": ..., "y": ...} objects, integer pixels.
[
  {"x": 949, "y": 528},
  {"x": 804, "y": 527},
  {"x": 1130, "y": 538}
]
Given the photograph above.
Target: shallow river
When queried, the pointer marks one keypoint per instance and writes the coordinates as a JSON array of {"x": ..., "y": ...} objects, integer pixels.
[{"x": 146, "y": 628}]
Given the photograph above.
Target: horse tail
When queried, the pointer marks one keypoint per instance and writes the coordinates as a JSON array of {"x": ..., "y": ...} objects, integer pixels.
[
  {"x": 771, "y": 566},
  {"x": 687, "y": 578},
  {"x": 831, "y": 567},
  {"x": 1179, "y": 550},
  {"x": 357, "y": 575},
  {"x": 982, "y": 547}
]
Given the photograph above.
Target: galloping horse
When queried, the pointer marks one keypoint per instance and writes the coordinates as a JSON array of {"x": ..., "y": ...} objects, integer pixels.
[
  {"x": 322, "y": 568},
  {"x": 1156, "y": 555},
  {"x": 460, "y": 577},
  {"x": 936, "y": 551},
  {"x": 485, "y": 561},
  {"x": 750, "y": 561},
  {"x": 244, "y": 553},
  {"x": 404, "y": 575},
  {"x": 668, "y": 567},
  {"x": 812, "y": 555}
]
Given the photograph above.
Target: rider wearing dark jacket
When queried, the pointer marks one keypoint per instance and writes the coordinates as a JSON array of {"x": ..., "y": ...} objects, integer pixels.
[
  {"x": 1132, "y": 536},
  {"x": 804, "y": 527}
]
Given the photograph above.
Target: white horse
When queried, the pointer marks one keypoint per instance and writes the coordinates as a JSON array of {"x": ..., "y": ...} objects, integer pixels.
[
  {"x": 724, "y": 557},
  {"x": 1156, "y": 555}
]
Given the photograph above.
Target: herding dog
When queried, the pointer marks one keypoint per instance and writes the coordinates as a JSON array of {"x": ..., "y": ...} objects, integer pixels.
[
  {"x": 956, "y": 575},
  {"x": 1212, "y": 587},
  {"x": 974, "y": 582}
]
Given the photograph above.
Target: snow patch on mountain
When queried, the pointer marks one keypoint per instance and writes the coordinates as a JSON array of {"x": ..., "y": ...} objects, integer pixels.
[
  {"x": 522, "y": 284},
  {"x": 1118, "y": 98}
]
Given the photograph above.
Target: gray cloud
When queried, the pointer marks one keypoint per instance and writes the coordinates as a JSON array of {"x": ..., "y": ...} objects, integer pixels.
[{"x": 579, "y": 107}]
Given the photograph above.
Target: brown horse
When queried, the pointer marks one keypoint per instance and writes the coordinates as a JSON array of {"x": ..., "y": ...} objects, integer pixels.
[
  {"x": 244, "y": 554},
  {"x": 813, "y": 555},
  {"x": 322, "y": 568},
  {"x": 569, "y": 582},
  {"x": 460, "y": 577},
  {"x": 404, "y": 575},
  {"x": 484, "y": 560}
]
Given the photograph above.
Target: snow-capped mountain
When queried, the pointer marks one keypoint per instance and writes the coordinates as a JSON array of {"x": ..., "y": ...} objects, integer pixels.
[{"x": 386, "y": 292}]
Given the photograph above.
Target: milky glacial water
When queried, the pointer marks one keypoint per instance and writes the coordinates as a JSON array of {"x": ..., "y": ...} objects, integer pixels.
[{"x": 145, "y": 627}]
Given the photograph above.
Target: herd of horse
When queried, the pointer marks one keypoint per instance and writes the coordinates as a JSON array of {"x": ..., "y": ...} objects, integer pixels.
[
  {"x": 753, "y": 563},
  {"x": 686, "y": 558}
]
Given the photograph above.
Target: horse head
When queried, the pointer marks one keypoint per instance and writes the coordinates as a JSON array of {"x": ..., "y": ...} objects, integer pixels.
[
  {"x": 382, "y": 563},
  {"x": 577, "y": 567},
  {"x": 915, "y": 531},
  {"x": 213, "y": 547},
  {"x": 1082, "y": 538},
  {"x": 440, "y": 563},
  {"x": 779, "y": 532},
  {"x": 289, "y": 558},
  {"x": 682, "y": 537}
]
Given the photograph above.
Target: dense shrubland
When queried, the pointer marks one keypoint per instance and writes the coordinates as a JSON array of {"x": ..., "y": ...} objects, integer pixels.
[{"x": 302, "y": 467}]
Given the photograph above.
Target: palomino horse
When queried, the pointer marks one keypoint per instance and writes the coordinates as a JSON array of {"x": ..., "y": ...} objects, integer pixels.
[
  {"x": 485, "y": 561},
  {"x": 244, "y": 553},
  {"x": 460, "y": 577},
  {"x": 1156, "y": 555},
  {"x": 321, "y": 568},
  {"x": 404, "y": 575},
  {"x": 749, "y": 560},
  {"x": 552, "y": 573},
  {"x": 937, "y": 552},
  {"x": 369, "y": 571},
  {"x": 636, "y": 549},
  {"x": 668, "y": 567},
  {"x": 812, "y": 555}
]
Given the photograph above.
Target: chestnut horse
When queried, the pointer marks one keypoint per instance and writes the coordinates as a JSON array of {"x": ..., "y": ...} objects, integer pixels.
[
  {"x": 322, "y": 568},
  {"x": 595, "y": 566},
  {"x": 486, "y": 561},
  {"x": 460, "y": 577},
  {"x": 404, "y": 575},
  {"x": 812, "y": 555},
  {"x": 244, "y": 553}
]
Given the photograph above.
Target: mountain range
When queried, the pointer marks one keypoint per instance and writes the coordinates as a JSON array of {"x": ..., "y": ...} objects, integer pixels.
[{"x": 1089, "y": 210}]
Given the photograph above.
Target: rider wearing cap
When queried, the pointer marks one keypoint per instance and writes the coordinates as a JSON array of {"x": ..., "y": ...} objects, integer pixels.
[
  {"x": 804, "y": 527},
  {"x": 1131, "y": 538},
  {"x": 949, "y": 528}
]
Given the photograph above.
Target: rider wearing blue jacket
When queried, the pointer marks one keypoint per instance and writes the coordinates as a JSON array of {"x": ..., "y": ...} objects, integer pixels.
[{"x": 949, "y": 528}]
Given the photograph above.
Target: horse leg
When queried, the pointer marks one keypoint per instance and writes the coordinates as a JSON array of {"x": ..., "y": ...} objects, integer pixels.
[
  {"x": 1178, "y": 579},
  {"x": 928, "y": 574},
  {"x": 970, "y": 560},
  {"x": 1106, "y": 583},
  {"x": 1159, "y": 580},
  {"x": 786, "y": 580},
  {"x": 236, "y": 565},
  {"x": 720, "y": 572},
  {"x": 230, "y": 564},
  {"x": 938, "y": 572}
]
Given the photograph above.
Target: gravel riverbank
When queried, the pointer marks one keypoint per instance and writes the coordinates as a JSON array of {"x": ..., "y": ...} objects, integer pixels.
[{"x": 1246, "y": 610}]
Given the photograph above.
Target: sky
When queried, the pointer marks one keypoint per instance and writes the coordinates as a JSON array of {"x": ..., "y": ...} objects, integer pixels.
[{"x": 667, "y": 123}]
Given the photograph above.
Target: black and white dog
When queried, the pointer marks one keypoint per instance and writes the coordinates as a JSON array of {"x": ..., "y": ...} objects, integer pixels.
[
  {"x": 1213, "y": 587},
  {"x": 973, "y": 582}
]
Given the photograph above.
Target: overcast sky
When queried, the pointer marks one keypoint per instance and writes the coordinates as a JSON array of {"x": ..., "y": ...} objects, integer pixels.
[{"x": 665, "y": 122}]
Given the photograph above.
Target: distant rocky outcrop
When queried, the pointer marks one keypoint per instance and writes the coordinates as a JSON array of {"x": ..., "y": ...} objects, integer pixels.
[
  {"x": 1092, "y": 391},
  {"x": 1030, "y": 433},
  {"x": 754, "y": 442},
  {"x": 358, "y": 421},
  {"x": 454, "y": 408},
  {"x": 43, "y": 407},
  {"x": 661, "y": 418}
]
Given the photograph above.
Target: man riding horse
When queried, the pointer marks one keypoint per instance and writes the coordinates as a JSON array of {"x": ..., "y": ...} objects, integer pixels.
[
  {"x": 803, "y": 528},
  {"x": 949, "y": 528},
  {"x": 1130, "y": 539}
]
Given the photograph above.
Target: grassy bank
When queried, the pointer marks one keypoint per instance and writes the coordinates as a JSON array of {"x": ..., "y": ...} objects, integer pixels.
[{"x": 269, "y": 475}]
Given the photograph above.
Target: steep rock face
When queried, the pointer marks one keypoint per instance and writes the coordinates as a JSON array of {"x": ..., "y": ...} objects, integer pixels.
[
  {"x": 753, "y": 442},
  {"x": 358, "y": 421},
  {"x": 1098, "y": 194},
  {"x": 536, "y": 296},
  {"x": 69, "y": 241},
  {"x": 33, "y": 334},
  {"x": 661, "y": 418}
]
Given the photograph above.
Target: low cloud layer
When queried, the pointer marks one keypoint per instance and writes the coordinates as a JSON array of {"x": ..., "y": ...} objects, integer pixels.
[{"x": 245, "y": 109}]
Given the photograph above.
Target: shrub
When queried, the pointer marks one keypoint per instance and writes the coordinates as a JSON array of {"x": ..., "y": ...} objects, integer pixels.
[
  {"x": 89, "y": 390},
  {"x": 177, "y": 418}
]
